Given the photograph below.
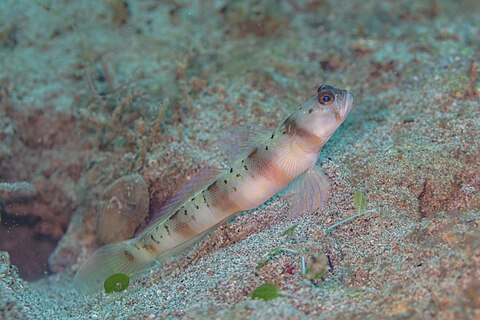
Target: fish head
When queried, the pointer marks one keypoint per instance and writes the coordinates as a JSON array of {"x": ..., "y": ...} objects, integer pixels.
[{"x": 325, "y": 112}]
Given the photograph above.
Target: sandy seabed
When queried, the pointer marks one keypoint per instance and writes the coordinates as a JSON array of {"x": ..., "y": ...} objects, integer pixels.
[{"x": 92, "y": 92}]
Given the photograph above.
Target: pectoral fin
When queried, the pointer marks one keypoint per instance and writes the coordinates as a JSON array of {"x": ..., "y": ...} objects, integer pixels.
[{"x": 310, "y": 191}]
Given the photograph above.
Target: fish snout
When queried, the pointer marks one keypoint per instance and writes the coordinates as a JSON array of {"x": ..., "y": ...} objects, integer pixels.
[{"x": 347, "y": 105}]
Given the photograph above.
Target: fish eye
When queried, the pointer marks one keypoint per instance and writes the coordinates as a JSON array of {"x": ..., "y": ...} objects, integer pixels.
[{"x": 326, "y": 97}]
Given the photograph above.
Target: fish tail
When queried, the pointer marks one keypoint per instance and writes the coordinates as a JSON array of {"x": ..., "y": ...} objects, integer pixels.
[{"x": 111, "y": 259}]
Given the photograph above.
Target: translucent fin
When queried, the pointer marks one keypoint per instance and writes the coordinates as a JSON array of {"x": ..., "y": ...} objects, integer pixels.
[
  {"x": 112, "y": 259},
  {"x": 237, "y": 143},
  {"x": 310, "y": 191},
  {"x": 194, "y": 185},
  {"x": 289, "y": 159},
  {"x": 115, "y": 258}
]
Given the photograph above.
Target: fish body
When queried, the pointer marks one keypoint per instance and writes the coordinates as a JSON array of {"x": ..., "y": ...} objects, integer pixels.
[{"x": 272, "y": 161}]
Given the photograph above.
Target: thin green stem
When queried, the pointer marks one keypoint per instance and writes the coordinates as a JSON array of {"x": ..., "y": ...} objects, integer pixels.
[{"x": 349, "y": 219}]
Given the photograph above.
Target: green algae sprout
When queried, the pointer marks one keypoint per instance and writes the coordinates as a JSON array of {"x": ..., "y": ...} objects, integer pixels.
[
  {"x": 360, "y": 201},
  {"x": 290, "y": 231},
  {"x": 116, "y": 283},
  {"x": 267, "y": 291}
]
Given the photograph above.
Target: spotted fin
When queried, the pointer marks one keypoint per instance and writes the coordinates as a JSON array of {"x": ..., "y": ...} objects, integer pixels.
[
  {"x": 310, "y": 191},
  {"x": 195, "y": 184}
]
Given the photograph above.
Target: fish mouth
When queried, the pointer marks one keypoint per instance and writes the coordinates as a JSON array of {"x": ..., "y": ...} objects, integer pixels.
[{"x": 348, "y": 105}]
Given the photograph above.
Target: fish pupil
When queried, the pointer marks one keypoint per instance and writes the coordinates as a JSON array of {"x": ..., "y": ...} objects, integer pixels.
[{"x": 325, "y": 97}]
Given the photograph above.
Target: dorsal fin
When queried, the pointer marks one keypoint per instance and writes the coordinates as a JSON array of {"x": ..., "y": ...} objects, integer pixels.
[
  {"x": 238, "y": 142},
  {"x": 192, "y": 186}
]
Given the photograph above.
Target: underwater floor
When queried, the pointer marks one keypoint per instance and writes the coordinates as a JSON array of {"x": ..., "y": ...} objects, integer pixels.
[{"x": 129, "y": 100}]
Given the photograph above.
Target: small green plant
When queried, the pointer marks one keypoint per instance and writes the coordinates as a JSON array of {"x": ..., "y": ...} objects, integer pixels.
[
  {"x": 267, "y": 291},
  {"x": 116, "y": 283},
  {"x": 360, "y": 201},
  {"x": 290, "y": 231}
]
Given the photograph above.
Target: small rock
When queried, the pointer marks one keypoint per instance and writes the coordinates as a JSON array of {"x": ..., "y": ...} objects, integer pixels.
[
  {"x": 18, "y": 189},
  {"x": 123, "y": 207}
]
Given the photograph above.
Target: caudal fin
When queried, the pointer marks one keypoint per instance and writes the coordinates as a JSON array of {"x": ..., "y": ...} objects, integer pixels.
[{"x": 121, "y": 257}]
